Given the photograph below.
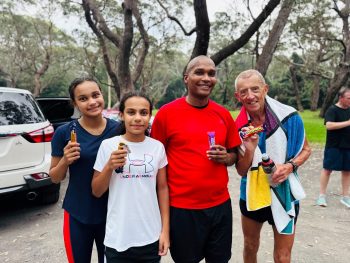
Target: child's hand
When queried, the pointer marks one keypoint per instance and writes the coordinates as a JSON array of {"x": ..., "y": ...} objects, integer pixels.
[
  {"x": 117, "y": 159},
  {"x": 164, "y": 243},
  {"x": 71, "y": 152}
]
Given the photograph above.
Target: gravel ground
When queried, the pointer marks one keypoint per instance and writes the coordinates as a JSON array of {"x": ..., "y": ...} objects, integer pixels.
[{"x": 30, "y": 233}]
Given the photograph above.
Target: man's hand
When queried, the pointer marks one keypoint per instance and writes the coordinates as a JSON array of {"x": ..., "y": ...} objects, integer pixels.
[
  {"x": 282, "y": 172},
  {"x": 250, "y": 143},
  {"x": 218, "y": 154}
]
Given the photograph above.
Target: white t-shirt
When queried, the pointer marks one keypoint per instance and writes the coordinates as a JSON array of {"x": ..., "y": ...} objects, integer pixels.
[{"x": 133, "y": 217}]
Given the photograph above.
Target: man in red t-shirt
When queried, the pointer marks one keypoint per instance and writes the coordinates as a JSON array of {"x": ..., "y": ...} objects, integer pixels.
[{"x": 200, "y": 138}]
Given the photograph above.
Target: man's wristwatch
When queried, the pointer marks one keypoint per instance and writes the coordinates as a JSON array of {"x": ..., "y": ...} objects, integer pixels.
[{"x": 295, "y": 166}]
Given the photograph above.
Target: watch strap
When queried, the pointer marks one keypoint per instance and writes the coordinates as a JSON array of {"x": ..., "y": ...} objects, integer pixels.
[{"x": 295, "y": 166}]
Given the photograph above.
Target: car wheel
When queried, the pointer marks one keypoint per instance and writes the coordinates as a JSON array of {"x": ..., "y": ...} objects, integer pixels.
[{"x": 50, "y": 194}]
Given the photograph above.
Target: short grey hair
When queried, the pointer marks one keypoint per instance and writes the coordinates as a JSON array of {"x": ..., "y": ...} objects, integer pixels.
[
  {"x": 342, "y": 91},
  {"x": 247, "y": 74}
]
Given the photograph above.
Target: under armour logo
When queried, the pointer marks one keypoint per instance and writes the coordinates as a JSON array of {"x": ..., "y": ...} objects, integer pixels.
[{"x": 138, "y": 163}]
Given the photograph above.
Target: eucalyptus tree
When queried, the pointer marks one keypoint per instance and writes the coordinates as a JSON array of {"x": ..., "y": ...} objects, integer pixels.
[
  {"x": 124, "y": 29},
  {"x": 264, "y": 59},
  {"x": 122, "y": 37},
  {"x": 296, "y": 82},
  {"x": 342, "y": 70},
  {"x": 12, "y": 64},
  {"x": 201, "y": 29},
  {"x": 28, "y": 46},
  {"x": 314, "y": 37}
]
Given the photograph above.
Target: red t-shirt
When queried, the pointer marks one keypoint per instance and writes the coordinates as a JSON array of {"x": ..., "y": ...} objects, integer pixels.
[{"x": 195, "y": 182}]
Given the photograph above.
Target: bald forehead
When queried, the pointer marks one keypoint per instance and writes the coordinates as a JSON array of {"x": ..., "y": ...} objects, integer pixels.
[{"x": 198, "y": 61}]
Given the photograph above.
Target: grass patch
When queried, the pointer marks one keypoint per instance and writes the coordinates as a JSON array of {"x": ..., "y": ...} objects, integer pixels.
[{"x": 314, "y": 127}]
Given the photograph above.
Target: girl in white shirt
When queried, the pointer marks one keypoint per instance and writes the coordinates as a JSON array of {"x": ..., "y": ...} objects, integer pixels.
[{"x": 137, "y": 228}]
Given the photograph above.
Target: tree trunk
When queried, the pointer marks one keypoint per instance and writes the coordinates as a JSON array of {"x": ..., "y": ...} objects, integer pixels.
[
  {"x": 269, "y": 48},
  {"x": 202, "y": 28},
  {"x": 144, "y": 49},
  {"x": 296, "y": 88},
  {"x": 91, "y": 11},
  {"x": 11, "y": 82},
  {"x": 37, "y": 85},
  {"x": 124, "y": 74},
  {"x": 121, "y": 76},
  {"x": 315, "y": 93},
  {"x": 341, "y": 76},
  {"x": 38, "y": 74}
]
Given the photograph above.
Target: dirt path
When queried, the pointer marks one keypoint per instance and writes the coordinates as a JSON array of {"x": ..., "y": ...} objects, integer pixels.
[{"x": 33, "y": 233}]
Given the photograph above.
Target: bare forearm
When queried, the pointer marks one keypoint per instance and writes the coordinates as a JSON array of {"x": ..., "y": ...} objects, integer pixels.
[
  {"x": 163, "y": 200},
  {"x": 304, "y": 154},
  {"x": 58, "y": 170},
  {"x": 244, "y": 162},
  {"x": 100, "y": 181},
  {"x": 330, "y": 125},
  {"x": 231, "y": 158}
]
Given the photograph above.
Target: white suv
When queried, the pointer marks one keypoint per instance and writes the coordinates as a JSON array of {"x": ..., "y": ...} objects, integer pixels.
[{"x": 25, "y": 148}]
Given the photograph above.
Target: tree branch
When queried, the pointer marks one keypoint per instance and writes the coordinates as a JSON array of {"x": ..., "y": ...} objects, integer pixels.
[
  {"x": 176, "y": 20},
  {"x": 244, "y": 38},
  {"x": 102, "y": 42},
  {"x": 270, "y": 46},
  {"x": 101, "y": 23}
]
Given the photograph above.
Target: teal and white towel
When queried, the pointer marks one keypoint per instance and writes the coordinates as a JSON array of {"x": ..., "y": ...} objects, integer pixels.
[{"x": 283, "y": 142}]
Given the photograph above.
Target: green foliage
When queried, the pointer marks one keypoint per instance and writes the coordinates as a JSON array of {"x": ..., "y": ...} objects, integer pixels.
[
  {"x": 175, "y": 90},
  {"x": 25, "y": 44},
  {"x": 2, "y": 82},
  {"x": 162, "y": 68}
]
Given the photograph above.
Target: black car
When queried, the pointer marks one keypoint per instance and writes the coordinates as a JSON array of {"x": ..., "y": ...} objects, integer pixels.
[{"x": 58, "y": 110}]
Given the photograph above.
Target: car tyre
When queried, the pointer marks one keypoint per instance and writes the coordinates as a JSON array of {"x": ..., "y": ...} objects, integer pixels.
[{"x": 50, "y": 194}]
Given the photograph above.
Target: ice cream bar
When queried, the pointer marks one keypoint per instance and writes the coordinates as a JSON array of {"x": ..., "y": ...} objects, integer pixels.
[
  {"x": 251, "y": 132},
  {"x": 211, "y": 138},
  {"x": 73, "y": 136}
]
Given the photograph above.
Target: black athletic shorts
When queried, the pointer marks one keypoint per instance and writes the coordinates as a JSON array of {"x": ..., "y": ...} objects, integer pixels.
[
  {"x": 264, "y": 214},
  {"x": 196, "y": 234},
  {"x": 336, "y": 159},
  {"x": 143, "y": 254}
]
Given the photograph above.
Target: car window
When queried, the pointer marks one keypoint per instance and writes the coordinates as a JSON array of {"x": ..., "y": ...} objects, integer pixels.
[
  {"x": 18, "y": 108},
  {"x": 56, "y": 109}
]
